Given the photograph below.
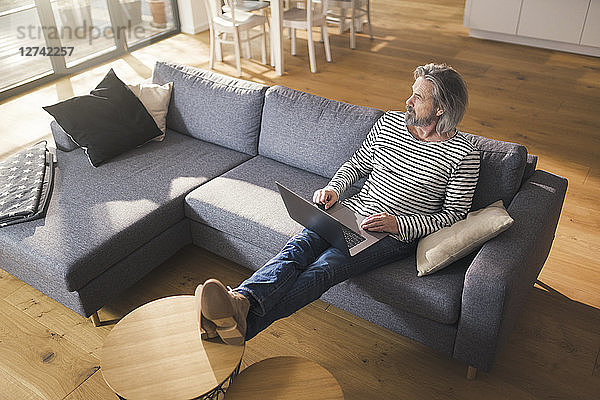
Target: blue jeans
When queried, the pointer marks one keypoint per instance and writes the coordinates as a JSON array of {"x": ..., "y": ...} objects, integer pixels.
[{"x": 304, "y": 269}]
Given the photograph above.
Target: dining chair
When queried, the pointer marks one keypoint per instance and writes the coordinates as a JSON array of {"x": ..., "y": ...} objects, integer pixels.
[
  {"x": 340, "y": 11},
  {"x": 314, "y": 15},
  {"x": 233, "y": 22},
  {"x": 250, "y": 6}
]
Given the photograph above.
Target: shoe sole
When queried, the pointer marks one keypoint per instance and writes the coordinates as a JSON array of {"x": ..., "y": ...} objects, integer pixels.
[{"x": 220, "y": 312}]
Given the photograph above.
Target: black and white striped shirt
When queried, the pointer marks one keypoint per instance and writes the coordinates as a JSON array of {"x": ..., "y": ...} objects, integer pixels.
[{"x": 426, "y": 185}]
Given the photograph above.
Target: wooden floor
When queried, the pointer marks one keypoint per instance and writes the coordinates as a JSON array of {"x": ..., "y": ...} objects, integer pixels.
[{"x": 547, "y": 100}]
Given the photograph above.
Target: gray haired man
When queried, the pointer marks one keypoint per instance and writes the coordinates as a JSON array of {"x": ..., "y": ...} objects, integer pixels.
[{"x": 420, "y": 174}]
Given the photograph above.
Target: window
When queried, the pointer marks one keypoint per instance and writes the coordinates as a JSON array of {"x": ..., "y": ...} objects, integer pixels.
[{"x": 43, "y": 39}]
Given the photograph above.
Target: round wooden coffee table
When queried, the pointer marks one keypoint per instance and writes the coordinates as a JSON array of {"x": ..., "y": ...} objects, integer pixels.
[
  {"x": 289, "y": 378},
  {"x": 155, "y": 352}
]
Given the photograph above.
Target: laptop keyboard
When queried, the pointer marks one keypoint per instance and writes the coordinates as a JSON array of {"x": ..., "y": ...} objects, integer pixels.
[{"x": 352, "y": 238}]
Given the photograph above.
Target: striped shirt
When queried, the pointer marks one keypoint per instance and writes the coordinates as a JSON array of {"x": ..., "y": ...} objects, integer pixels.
[{"x": 426, "y": 185}]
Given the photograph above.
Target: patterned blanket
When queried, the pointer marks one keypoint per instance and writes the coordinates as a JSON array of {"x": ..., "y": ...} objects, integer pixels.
[{"x": 25, "y": 184}]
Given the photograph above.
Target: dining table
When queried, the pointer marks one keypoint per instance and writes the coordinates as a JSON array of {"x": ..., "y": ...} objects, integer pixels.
[{"x": 276, "y": 29}]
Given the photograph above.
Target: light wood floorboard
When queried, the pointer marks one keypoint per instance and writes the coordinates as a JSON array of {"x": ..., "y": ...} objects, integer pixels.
[
  {"x": 552, "y": 352},
  {"x": 546, "y": 100}
]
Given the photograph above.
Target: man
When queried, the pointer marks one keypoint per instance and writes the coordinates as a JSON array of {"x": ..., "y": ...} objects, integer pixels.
[{"x": 421, "y": 175}]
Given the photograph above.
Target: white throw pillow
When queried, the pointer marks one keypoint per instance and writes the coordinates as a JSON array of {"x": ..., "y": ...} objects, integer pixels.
[
  {"x": 156, "y": 100},
  {"x": 451, "y": 243}
]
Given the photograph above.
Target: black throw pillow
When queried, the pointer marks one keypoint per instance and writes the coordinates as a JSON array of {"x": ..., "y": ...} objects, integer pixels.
[{"x": 109, "y": 121}]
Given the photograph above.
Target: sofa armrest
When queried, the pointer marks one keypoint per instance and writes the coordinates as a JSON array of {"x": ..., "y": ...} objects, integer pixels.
[
  {"x": 61, "y": 139},
  {"x": 501, "y": 274}
]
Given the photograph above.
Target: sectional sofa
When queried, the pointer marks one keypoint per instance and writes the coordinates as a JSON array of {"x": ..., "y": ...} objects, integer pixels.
[{"x": 211, "y": 183}]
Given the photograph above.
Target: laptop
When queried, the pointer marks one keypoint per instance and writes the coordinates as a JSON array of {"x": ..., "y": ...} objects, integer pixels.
[{"x": 339, "y": 225}]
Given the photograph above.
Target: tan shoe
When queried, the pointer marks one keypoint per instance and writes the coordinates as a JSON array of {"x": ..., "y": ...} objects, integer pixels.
[
  {"x": 226, "y": 309},
  {"x": 207, "y": 329}
]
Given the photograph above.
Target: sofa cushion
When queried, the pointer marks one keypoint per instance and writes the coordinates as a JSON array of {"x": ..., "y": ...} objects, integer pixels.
[
  {"x": 98, "y": 216},
  {"x": 451, "y": 243},
  {"x": 156, "y": 99},
  {"x": 311, "y": 132},
  {"x": 109, "y": 121},
  {"x": 245, "y": 203},
  {"x": 501, "y": 171},
  {"x": 396, "y": 286},
  {"x": 213, "y": 107}
]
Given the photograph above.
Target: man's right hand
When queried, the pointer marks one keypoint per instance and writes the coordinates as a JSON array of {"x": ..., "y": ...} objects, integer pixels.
[{"x": 325, "y": 196}]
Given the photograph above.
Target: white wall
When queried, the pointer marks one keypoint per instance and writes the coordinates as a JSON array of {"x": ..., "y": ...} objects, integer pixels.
[{"x": 192, "y": 16}]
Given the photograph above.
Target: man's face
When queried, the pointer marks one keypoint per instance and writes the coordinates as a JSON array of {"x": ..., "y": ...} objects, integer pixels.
[{"x": 419, "y": 107}]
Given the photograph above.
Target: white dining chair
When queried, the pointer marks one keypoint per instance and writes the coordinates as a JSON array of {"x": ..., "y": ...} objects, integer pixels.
[
  {"x": 250, "y": 6},
  {"x": 314, "y": 15},
  {"x": 350, "y": 12},
  {"x": 234, "y": 22}
]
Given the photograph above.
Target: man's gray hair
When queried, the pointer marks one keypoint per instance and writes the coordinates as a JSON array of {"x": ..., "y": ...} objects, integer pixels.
[{"x": 449, "y": 93}]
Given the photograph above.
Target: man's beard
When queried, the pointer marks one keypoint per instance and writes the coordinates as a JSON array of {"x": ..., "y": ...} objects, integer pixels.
[{"x": 412, "y": 120}]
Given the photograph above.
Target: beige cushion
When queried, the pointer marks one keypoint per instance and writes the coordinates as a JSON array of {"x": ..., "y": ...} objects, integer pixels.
[
  {"x": 156, "y": 100},
  {"x": 451, "y": 243}
]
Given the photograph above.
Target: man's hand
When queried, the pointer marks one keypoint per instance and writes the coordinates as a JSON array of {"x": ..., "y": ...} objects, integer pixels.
[
  {"x": 325, "y": 196},
  {"x": 382, "y": 222}
]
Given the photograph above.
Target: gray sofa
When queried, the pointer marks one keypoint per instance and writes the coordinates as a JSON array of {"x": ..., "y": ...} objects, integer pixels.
[{"x": 211, "y": 183}]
